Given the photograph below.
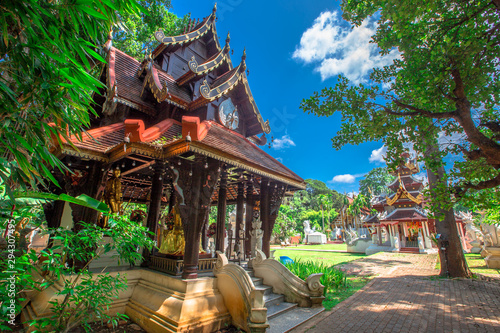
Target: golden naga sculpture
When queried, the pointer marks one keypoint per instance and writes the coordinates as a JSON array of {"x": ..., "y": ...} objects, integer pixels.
[{"x": 173, "y": 241}]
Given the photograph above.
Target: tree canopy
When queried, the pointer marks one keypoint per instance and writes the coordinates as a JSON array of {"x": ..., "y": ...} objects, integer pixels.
[
  {"x": 135, "y": 35},
  {"x": 375, "y": 182}
]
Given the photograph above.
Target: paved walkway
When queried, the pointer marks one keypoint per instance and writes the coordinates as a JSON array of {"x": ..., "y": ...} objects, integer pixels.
[{"x": 406, "y": 296}]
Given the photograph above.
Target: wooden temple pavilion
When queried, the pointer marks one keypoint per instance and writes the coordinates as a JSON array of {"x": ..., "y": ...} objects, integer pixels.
[
  {"x": 184, "y": 130},
  {"x": 402, "y": 214}
]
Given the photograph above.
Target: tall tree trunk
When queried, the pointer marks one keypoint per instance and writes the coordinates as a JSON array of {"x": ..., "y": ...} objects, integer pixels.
[{"x": 451, "y": 254}]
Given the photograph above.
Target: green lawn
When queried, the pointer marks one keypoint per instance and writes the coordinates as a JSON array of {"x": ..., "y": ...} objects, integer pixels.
[
  {"x": 332, "y": 258},
  {"x": 336, "y": 247},
  {"x": 478, "y": 265}
]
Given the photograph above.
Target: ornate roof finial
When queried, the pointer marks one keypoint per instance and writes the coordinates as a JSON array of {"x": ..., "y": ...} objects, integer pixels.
[
  {"x": 109, "y": 42},
  {"x": 243, "y": 58},
  {"x": 228, "y": 38},
  {"x": 215, "y": 8}
]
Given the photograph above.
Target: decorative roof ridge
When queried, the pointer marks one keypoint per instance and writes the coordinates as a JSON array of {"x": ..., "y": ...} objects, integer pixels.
[
  {"x": 203, "y": 28},
  {"x": 159, "y": 89},
  {"x": 209, "y": 65},
  {"x": 254, "y": 146}
]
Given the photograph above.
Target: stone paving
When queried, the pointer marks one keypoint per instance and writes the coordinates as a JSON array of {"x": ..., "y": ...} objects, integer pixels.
[{"x": 407, "y": 296}]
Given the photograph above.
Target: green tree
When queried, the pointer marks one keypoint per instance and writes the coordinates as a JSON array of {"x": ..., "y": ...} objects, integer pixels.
[
  {"x": 48, "y": 54},
  {"x": 444, "y": 85},
  {"x": 375, "y": 182},
  {"x": 136, "y": 33}
]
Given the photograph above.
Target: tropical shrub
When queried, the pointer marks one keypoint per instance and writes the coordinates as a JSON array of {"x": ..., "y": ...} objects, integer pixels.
[{"x": 332, "y": 279}]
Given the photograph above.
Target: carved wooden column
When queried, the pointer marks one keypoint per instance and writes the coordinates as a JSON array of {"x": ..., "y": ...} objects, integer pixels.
[
  {"x": 264, "y": 215},
  {"x": 240, "y": 201},
  {"x": 204, "y": 238},
  {"x": 194, "y": 193},
  {"x": 273, "y": 197},
  {"x": 91, "y": 183},
  {"x": 221, "y": 213},
  {"x": 249, "y": 218},
  {"x": 154, "y": 204}
]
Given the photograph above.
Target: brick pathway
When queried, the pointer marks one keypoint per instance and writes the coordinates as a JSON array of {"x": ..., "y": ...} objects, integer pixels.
[{"x": 406, "y": 296}]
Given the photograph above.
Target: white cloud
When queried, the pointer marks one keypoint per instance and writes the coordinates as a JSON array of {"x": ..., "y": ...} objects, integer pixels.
[
  {"x": 445, "y": 140},
  {"x": 378, "y": 155},
  {"x": 284, "y": 142},
  {"x": 338, "y": 49},
  {"x": 347, "y": 178},
  {"x": 280, "y": 159}
]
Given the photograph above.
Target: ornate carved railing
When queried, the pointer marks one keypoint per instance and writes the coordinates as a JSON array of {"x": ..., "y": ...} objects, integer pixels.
[
  {"x": 307, "y": 293},
  {"x": 244, "y": 302},
  {"x": 175, "y": 266}
]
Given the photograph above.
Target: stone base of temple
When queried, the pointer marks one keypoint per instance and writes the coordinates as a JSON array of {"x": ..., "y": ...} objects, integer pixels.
[
  {"x": 372, "y": 249},
  {"x": 493, "y": 258},
  {"x": 157, "y": 302},
  {"x": 359, "y": 245}
]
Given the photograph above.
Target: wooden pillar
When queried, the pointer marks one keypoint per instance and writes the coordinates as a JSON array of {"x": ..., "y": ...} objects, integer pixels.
[
  {"x": 221, "y": 213},
  {"x": 240, "y": 201},
  {"x": 204, "y": 238},
  {"x": 264, "y": 215},
  {"x": 154, "y": 205},
  {"x": 194, "y": 193},
  {"x": 249, "y": 218}
]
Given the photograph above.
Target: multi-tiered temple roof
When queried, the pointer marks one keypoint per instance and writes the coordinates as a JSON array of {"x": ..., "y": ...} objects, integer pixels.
[{"x": 182, "y": 102}]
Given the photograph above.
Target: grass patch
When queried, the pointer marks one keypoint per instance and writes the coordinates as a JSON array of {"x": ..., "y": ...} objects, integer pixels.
[
  {"x": 336, "y": 247},
  {"x": 327, "y": 258},
  {"x": 354, "y": 283},
  {"x": 478, "y": 265}
]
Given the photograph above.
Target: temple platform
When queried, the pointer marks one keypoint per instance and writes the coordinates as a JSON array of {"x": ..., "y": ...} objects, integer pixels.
[{"x": 157, "y": 302}]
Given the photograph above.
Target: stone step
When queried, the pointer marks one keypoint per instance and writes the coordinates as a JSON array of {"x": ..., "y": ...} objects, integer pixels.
[
  {"x": 257, "y": 281},
  {"x": 273, "y": 299},
  {"x": 267, "y": 289},
  {"x": 292, "y": 318},
  {"x": 279, "y": 309}
]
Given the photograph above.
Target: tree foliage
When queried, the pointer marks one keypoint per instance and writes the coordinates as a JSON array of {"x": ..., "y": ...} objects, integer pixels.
[
  {"x": 375, "y": 182},
  {"x": 447, "y": 75},
  {"x": 48, "y": 50},
  {"x": 136, "y": 33}
]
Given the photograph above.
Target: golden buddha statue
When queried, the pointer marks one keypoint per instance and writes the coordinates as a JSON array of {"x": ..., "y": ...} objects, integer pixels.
[{"x": 173, "y": 241}]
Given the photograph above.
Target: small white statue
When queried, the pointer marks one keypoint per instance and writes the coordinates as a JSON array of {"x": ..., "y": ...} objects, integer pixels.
[{"x": 257, "y": 233}]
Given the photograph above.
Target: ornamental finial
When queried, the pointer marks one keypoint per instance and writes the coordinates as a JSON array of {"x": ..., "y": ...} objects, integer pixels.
[
  {"x": 228, "y": 38},
  {"x": 109, "y": 42},
  {"x": 215, "y": 8},
  {"x": 244, "y": 56}
]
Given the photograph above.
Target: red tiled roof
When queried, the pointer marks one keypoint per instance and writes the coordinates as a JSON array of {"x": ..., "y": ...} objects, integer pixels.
[
  {"x": 235, "y": 144},
  {"x": 402, "y": 214},
  {"x": 101, "y": 139},
  {"x": 129, "y": 85}
]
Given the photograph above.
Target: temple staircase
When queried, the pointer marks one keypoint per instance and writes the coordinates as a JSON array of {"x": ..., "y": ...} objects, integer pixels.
[{"x": 282, "y": 316}]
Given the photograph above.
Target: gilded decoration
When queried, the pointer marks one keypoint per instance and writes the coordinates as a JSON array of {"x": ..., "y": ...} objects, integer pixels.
[{"x": 173, "y": 241}]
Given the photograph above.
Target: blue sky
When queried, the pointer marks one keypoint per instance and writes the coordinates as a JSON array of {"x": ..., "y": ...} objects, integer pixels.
[{"x": 294, "y": 48}]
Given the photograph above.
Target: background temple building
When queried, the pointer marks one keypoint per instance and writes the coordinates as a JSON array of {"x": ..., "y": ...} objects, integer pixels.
[{"x": 402, "y": 213}]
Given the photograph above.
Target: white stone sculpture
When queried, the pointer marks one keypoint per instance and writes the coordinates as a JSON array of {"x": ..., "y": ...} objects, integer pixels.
[{"x": 257, "y": 233}]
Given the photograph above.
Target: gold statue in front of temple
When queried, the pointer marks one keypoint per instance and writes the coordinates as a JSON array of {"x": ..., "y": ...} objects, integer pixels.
[
  {"x": 173, "y": 241},
  {"x": 113, "y": 194}
]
